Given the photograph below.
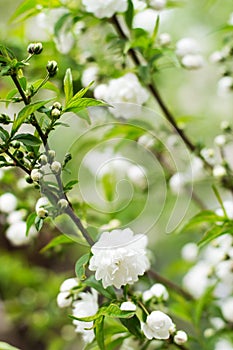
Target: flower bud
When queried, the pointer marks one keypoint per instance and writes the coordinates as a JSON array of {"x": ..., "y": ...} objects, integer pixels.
[
  {"x": 219, "y": 171},
  {"x": 57, "y": 105},
  {"x": 51, "y": 156},
  {"x": 164, "y": 39},
  {"x": 52, "y": 68},
  {"x": 225, "y": 126},
  {"x": 128, "y": 306},
  {"x": 220, "y": 140},
  {"x": 55, "y": 113},
  {"x": 35, "y": 49},
  {"x": 36, "y": 175},
  {"x": 42, "y": 213},
  {"x": 43, "y": 159},
  {"x": 63, "y": 203},
  {"x": 56, "y": 167},
  {"x": 180, "y": 338}
]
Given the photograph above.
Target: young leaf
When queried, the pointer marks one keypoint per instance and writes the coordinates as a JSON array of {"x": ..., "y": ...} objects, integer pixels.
[
  {"x": 68, "y": 86},
  {"x": 25, "y": 113},
  {"x": 114, "y": 311},
  {"x": 62, "y": 239},
  {"x": 129, "y": 14},
  {"x": 70, "y": 185},
  {"x": 214, "y": 232},
  {"x": 99, "y": 332},
  {"x": 107, "y": 292},
  {"x": 80, "y": 266},
  {"x": 133, "y": 325},
  {"x": 27, "y": 139},
  {"x": 30, "y": 221},
  {"x": 79, "y": 104},
  {"x": 3, "y": 134},
  {"x": 204, "y": 217},
  {"x": 25, "y": 9}
]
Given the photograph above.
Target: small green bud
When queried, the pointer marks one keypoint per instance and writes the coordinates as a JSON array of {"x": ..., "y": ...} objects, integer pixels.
[
  {"x": 55, "y": 113},
  {"x": 5, "y": 119},
  {"x": 28, "y": 179},
  {"x": 35, "y": 49},
  {"x": 51, "y": 156},
  {"x": 52, "y": 68}
]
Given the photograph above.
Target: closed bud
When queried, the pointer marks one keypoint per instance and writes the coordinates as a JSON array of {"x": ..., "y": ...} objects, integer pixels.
[
  {"x": 42, "y": 213},
  {"x": 180, "y": 338},
  {"x": 36, "y": 175},
  {"x": 52, "y": 68},
  {"x": 56, "y": 167},
  {"x": 219, "y": 171},
  {"x": 57, "y": 105},
  {"x": 51, "y": 156},
  {"x": 43, "y": 159},
  {"x": 220, "y": 140},
  {"x": 63, "y": 203},
  {"x": 55, "y": 113},
  {"x": 35, "y": 49}
]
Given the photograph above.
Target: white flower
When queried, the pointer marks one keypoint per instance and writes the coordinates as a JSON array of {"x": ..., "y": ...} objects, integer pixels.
[
  {"x": 157, "y": 325},
  {"x": 146, "y": 20},
  {"x": 89, "y": 75},
  {"x": 42, "y": 213},
  {"x": 216, "y": 57},
  {"x": 69, "y": 284},
  {"x": 8, "y": 203},
  {"x": 225, "y": 86},
  {"x": 137, "y": 175},
  {"x": 65, "y": 39},
  {"x": 86, "y": 306},
  {"x": 125, "y": 94},
  {"x": 220, "y": 140},
  {"x": 159, "y": 291},
  {"x": 197, "y": 279},
  {"x": 128, "y": 306},
  {"x": 119, "y": 257},
  {"x": 228, "y": 206},
  {"x": 187, "y": 46},
  {"x": 146, "y": 140},
  {"x": 189, "y": 252},
  {"x": 164, "y": 39},
  {"x": 16, "y": 216},
  {"x": 217, "y": 323},
  {"x": 230, "y": 21},
  {"x": 16, "y": 233},
  {"x": 208, "y": 154},
  {"x": 105, "y": 8},
  {"x": 180, "y": 337},
  {"x": 223, "y": 344},
  {"x": 219, "y": 171},
  {"x": 177, "y": 183},
  {"x": 138, "y": 5},
  {"x": 192, "y": 61},
  {"x": 64, "y": 299},
  {"x": 158, "y": 4}
]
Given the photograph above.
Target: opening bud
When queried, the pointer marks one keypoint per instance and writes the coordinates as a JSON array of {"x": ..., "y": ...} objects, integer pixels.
[
  {"x": 36, "y": 175},
  {"x": 63, "y": 203},
  {"x": 56, "y": 167},
  {"x": 55, "y": 113},
  {"x": 52, "y": 68},
  {"x": 35, "y": 49},
  {"x": 57, "y": 105}
]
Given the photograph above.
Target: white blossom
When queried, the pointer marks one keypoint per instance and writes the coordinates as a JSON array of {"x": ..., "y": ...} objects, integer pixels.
[
  {"x": 36, "y": 175},
  {"x": 219, "y": 171},
  {"x": 180, "y": 337},
  {"x": 125, "y": 94},
  {"x": 157, "y": 325},
  {"x": 225, "y": 86},
  {"x": 228, "y": 206},
  {"x": 216, "y": 57},
  {"x": 187, "y": 46},
  {"x": 128, "y": 306},
  {"x": 119, "y": 257},
  {"x": 189, "y": 252},
  {"x": 145, "y": 20},
  {"x": 105, "y": 8},
  {"x": 220, "y": 140},
  {"x": 16, "y": 233},
  {"x": 64, "y": 299},
  {"x": 137, "y": 175},
  {"x": 89, "y": 75},
  {"x": 208, "y": 154},
  {"x": 8, "y": 203},
  {"x": 158, "y": 291},
  {"x": 223, "y": 344},
  {"x": 86, "y": 306},
  {"x": 227, "y": 309},
  {"x": 146, "y": 140},
  {"x": 139, "y": 5},
  {"x": 164, "y": 39},
  {"x": 158, "y": 4},
  {"x": 177, "y": 183},
  {"x": 225, "y": 125},
  {"x": 192, "y": 61}
]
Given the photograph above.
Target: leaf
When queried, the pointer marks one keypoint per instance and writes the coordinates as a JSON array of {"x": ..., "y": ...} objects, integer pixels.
[
  {"x": 38, "y": 223},
  {"x": 113, "y": 310},
  {"x": 30, "y": 221},
  {"x": 23, "y": 83},
  {"x": 70, "y": 185},
  {"x": 133, "y": 325},
  {"x": 81, "y": 103},
  {"x": 215, "y": 232},
  {"x": 62, "y": 239},
  {"x": 206, "y": 216},
  {"x": 6, "y": 346},
  {"x": 59, "y": 24},
  {"x": 68, "y": 86},
  {"x": 99, "y": 332},
  {"x": 205, "y": 299},
  {"x": 47, "y": 86},
  {"x": 3, "y": 134},
  {"x": 81, "y": 92},
  {"x": 107, "y": 292},
  {"x": 80, "y": 266},
  {"x": 26, "y": 9},
  {"x": 25, "y": 113},
  {"x": 156, "y": 29},
  {"x": 27, "y": 139},
  {"x": 129, "y": 14}
]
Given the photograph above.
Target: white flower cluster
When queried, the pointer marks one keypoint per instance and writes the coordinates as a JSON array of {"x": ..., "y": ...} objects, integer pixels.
[
  {"x": 105, "y": 8},
  {"x": 188, "y": 51},
  {"x": 119, "y": 257},
  {"x": 125, "y": 94},
  {"x": 16, "y": 232}
]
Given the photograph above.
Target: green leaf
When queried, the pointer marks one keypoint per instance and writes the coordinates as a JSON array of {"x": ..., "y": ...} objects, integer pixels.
[
  {"x": 156, "y": 29},
  {"x": 129, "y": 14},
  {"x": 113, "y": 310},
  {"x": 204, "y": 217},
  {"x": 6, "y": 346},
  {"x": 47, "y": 86},
  {"x": 68, "y": 86},
  {"x": 25, "y": 113},
  {"x": 81, "y": 103},
  {"x": 107, "y": 292},
  {"x": 80, "y": 266},
  {"x": 27, "y": 139},
  {"x": 3, "y": 134},
  {"x": 26, "y": 9},
  {"x": 99, "y": 332},
  {"x": 62, "y": 239},
  {"x": 23, "y": 83},
  {"x": 70, "y": 185},
  {"x": 81, "y": 92},
  {"x": 214, "y": 232},
  {"x": 30, "y": 221},
  {"x": 133, "y": 325},
  {"x": 39, "y": 223},
  {"x": 59, "y": 24}
]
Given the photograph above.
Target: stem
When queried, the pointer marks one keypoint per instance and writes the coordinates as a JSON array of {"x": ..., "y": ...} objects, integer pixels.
[
  {"x": 155, "y": 93},
  {"x": 169, "y": 284},
  {"x": 16, "y": 162},
  {"x": 22, "y": 93}
]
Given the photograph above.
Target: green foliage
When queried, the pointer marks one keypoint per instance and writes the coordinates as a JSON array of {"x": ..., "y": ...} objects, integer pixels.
[{"x": 81, "y": 265}]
